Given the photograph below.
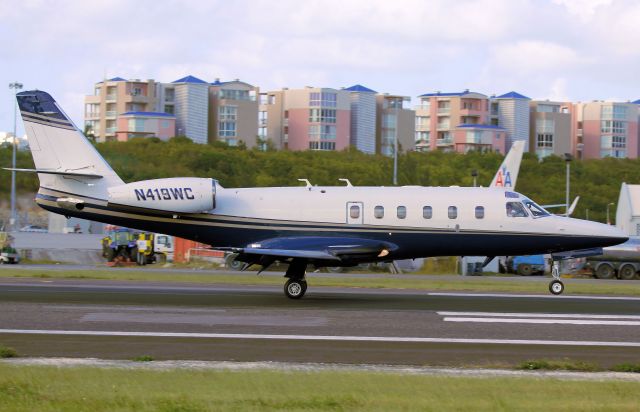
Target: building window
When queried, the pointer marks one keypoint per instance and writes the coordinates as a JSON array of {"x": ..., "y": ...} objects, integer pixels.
[
  {"x": 613, "y": 126},
  {"x": 479, "y": 212},
  {"x": 136, "y": 125},
  {"x": 453, "y": 212},
  {"x": 226, "y": 129},
  {"x": 548, "y": 108},
  {"x": 232, "y": 94},
  {"x": 378, "y": 212},
  {"x": 322, "y": 115},
  {"x": 402, "y": 212},
  {"x": 322, "y": 145},
  {"x": 227, "y": 113},
  {"x": 427, "y": 212},
  {"x": 422, "y": 121},
  {"x": 322, "y": 132},
  {"x": 354, "y": 212},
  {"x": 323, "y": 99},
  {"x": 389, "y": 120},
  {"x": 422, "y": 137}
]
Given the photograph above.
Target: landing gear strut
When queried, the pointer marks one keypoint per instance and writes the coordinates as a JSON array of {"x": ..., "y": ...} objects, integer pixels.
[
  {"x": 296, "y": 285},
  {"x": 556, "y": 286}
]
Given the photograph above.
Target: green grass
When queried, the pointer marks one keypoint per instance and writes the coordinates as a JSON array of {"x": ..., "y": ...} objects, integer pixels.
[
  {"x": 627, "y": 367},
  {"x": 555, "y": 365},
  {"x": 478, "y": 284},
  {"x": 143, "y": 358},
  {"x": 6, "y": 352},
  {"x": 40, "y": 388}
]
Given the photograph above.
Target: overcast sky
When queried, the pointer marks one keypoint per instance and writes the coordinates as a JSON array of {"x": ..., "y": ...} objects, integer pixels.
[{"x": 575, "y": 50}]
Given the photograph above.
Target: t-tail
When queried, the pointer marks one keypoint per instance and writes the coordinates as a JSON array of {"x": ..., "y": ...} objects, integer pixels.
[
  {"x": 66, "y": 162},
  {"x": 507, "y": 174}
]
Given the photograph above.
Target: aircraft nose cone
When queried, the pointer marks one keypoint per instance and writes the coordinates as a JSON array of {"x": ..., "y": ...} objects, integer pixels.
[{"x": 610, "y": 234}]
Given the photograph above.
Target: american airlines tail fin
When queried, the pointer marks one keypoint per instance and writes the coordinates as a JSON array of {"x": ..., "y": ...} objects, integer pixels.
[
  {"x": 507, "y": 174},
  {"x": 64, "y": 159}
]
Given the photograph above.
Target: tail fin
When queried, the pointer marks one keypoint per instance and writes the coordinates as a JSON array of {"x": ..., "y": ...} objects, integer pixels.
[
  {"x": 65, "y": 160},
  {"x": 507, "y": 174}
]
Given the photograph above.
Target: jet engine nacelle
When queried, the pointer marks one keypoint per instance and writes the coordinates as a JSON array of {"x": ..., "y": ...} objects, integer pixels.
[{"x": 174, "y": 195}]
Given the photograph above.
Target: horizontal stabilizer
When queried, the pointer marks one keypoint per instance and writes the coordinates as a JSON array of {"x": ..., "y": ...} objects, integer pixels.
[{"x": 57, "y": 172}]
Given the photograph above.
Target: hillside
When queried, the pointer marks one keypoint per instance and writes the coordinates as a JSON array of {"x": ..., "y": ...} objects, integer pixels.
[{"x": 596, "y": 181}]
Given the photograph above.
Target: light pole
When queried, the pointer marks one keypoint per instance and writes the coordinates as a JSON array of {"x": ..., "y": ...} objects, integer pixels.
[
  {"x": 474, "y": 174},
  {"x": 12, "y": 221},
  {"x": 608, "y": 220},
  {"x": 567, "y": 158}
]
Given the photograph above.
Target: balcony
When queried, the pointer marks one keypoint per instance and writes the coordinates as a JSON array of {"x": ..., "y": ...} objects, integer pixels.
[
  {"x": 110, "y": 130},
  {"x": 92, "y": 99},
  {"x": 111, "y": 97},
  {"x": 444, "y": 126},
  {"x": 425, "y": 107},
  {"x": 444, "y": 110},
  {"x": 110, "y": 113},
  {"x": 92, "y": 115},
  {"x": 136, "y": 98}
]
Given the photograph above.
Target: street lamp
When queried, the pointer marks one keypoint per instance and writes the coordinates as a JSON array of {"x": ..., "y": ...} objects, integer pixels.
[
  {"x": 567, "y": 158},
  {"x": 12, "y": 221},
  {"x": 608, "y": 220},
  {"x": 474, "y": 174}
]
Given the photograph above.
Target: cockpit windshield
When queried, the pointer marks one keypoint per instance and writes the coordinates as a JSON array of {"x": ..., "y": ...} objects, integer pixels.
[
  {"x": 515, "y": 209},
  {"x": 535, "y": 209}
]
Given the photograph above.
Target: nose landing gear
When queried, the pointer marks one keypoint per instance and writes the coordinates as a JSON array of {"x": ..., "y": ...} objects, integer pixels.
[{"x": 556, "y": 286}]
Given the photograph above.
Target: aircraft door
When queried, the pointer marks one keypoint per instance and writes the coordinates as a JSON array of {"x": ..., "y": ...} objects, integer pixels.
[{"x": 355, "y": 213}]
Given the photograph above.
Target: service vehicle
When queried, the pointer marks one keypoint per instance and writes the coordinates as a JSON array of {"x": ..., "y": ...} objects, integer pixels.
[{"x": 617, "y": 262}]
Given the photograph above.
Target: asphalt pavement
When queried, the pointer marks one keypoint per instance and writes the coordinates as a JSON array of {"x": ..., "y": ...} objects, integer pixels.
[{"x": 123, "y": 320}]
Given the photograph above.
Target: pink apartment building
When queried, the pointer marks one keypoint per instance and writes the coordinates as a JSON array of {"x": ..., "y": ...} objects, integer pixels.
[
  {"x": 447, "y": 121},
  {"x": 606, "y": 129},
  {"x": 145, "y": 124},
  {"x": 306, "y": 119}
]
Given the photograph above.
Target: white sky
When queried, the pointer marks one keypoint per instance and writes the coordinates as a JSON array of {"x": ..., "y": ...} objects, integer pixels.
[{"x": 577, "y": 50}]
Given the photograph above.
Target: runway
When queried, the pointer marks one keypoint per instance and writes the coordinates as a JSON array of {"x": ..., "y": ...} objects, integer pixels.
[{"x": 123, "y": 320}]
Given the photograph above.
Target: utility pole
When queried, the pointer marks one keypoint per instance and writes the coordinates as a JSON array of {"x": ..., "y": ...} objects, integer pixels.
[
  {"x": 567, "y": 158},
  {"x": 12, "y": 221}
]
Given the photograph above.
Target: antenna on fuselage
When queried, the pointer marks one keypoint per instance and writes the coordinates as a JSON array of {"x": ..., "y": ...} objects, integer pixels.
[
  {"x": 347, "y": 182},
  {"x": 306, "y": 181}
]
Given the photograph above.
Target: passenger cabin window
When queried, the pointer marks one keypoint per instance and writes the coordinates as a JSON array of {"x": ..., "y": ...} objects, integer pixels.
[
  {"x": 402, "y": 212},
  {"x": 516, "y": 209},
  {"x": 453, "y": 212},
  {"x": 479, "y": 212},
  {"x": 427, "y": 212},
  {"x": 378, "y": 212},
  {"x": 354, "y": 212}
]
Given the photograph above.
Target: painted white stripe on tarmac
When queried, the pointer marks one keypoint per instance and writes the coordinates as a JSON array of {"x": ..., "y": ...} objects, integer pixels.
[
  {"x": 545, "y": 321},
  {"x": 399, "y": 339},
  {"x": 539, "y": 315},
  {"x": 515, "y": 295}
]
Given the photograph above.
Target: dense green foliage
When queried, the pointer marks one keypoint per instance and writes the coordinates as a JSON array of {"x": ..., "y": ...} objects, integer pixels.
[{"x": 596, "y": 181}]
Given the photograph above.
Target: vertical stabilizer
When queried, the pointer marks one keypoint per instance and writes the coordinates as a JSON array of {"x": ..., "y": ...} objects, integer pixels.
[
  {"x": 60, "y": 151},
  {"x": 507, "y": 174}
]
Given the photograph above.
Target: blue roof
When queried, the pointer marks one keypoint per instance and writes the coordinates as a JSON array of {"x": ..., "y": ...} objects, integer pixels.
[
  {"x": 190, "y": 79},
  {"x": 446, "y": 94},
  {"x": 481, "y": 126},
  {"x": 117, "y": 79},
  {"x": 152, "y": 114},
  {"x": 636, "y": 102},
  {"x": 360, "y": 88},
  {"x": 512, "y": 95}
]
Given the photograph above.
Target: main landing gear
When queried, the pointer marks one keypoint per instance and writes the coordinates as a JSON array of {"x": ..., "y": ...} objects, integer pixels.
[
  {"x": 556, "y": 286},
  {"x": 296, "y": 285}
]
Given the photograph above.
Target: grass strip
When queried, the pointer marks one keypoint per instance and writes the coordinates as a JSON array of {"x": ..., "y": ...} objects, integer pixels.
[
  {"x": 468, "y": 284},
  {"x": 102, "y": 389}
]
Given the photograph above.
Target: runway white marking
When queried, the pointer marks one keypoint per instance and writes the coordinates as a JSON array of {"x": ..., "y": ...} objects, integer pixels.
[
  {"x": 539, "y": 315},
  {"x": 393, "y": 339},
  {"x": 544, "y": 321},
  {"x": 515, "y": 295}
]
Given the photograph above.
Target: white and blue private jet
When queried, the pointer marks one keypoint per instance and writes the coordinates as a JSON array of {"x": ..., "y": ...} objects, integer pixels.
[{"x": 306, "y": 225}]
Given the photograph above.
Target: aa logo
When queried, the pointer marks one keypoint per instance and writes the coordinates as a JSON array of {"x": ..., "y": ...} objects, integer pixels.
[{"x": 504, "y": 178}]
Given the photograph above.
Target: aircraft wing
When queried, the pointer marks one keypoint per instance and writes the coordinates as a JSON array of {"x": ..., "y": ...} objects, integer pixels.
[{"x": 330, "y": 250}]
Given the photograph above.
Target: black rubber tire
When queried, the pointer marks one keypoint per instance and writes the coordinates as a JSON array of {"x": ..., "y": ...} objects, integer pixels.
[
  {"x": 231, "y": 263},
  {"x": 605, "y": 271},
  {"x": 556, "y": 287},
  {"x": 295, "y": 288},
  {"x": 525, "y": 269},
  {"x": 627, "y": 272}
]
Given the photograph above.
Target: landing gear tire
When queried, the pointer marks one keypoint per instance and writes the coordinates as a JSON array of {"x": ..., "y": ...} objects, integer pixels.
[
  {"x": 556, "y": 287},
  {"x": 295, "y": 288}
]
